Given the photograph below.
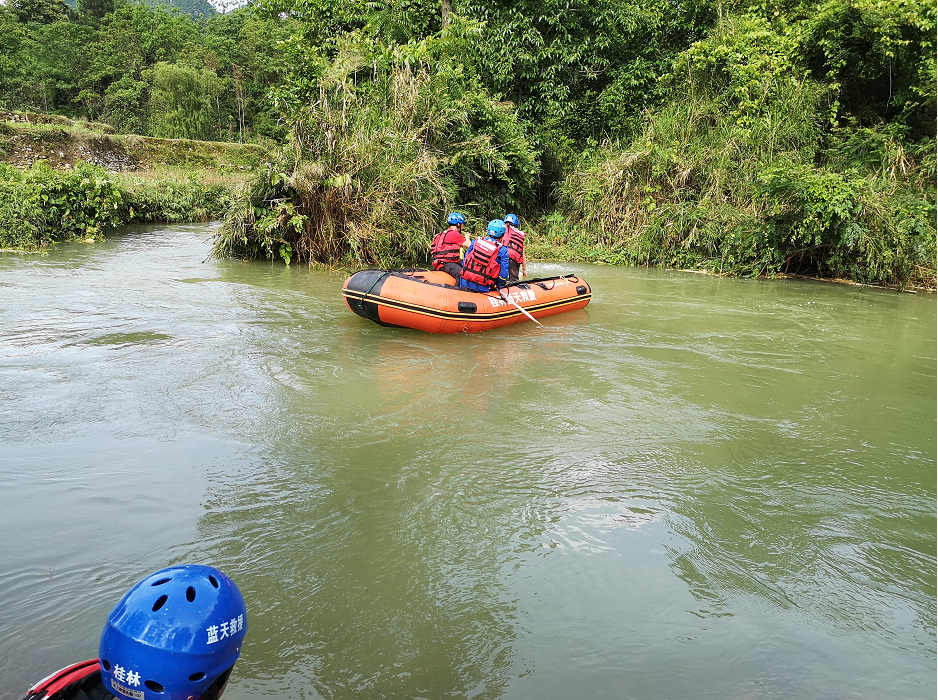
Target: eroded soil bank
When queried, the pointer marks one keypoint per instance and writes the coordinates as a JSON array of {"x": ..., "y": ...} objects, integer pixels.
[{"x": 26, "y": 139}]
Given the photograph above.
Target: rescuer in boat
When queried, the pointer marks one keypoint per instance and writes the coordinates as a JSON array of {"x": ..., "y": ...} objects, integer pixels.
[
  {"x": 174, "y": 636},
  {"x": 447, "y": 247},
  {"x": 485, "y": 266},
  {"x": 514, "y": 242}
]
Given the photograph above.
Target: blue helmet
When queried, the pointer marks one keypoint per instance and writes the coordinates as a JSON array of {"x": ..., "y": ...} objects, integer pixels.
[
  {"x": 455, "y": 219},
  {"x": 173, "y": 634},
  {"x": 496, "y": 228},
  {"x": 512, "y": 219}
]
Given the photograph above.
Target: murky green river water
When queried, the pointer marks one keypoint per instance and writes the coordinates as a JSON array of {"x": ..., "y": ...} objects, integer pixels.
[{"x": 695, "y": 488}]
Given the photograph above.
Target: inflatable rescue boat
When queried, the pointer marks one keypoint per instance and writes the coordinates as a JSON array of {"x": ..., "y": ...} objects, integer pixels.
[{"x": 428, "y": 300}]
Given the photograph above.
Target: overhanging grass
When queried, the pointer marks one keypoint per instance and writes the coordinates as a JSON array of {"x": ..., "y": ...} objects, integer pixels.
[
  {"x": 369, "y": 176},
  {"x": 766, "y": 189}
]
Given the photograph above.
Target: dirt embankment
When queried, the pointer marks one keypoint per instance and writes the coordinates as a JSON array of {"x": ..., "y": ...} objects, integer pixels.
[{"x": 26, "y": 139}]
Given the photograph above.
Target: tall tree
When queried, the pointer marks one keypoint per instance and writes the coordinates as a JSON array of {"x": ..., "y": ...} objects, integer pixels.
[
  {"x": 95, "y": 8},
  {"x": 182, "y": 102},
  {"x": 40, "y": 11},
  {"x": 446, "y": 11}
]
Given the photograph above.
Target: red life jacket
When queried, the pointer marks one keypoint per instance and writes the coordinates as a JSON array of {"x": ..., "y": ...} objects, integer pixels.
[
  {"x": 443, "y": 252},
  {"x": 64, "y": 683},
  {"x": 481, "y": 264},
  {"x": 514, "y": 241}
]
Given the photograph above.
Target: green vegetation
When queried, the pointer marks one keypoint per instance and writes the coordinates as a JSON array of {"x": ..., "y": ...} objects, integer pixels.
[
  {"x": 37, "y": 204},
  {"x": 193, "y": 8},
  {"x": 182, "y": 102},
  {"x": 63, "y": 144},
  {"x": 128, "y": 64},
  {"x": 744, "y": 175},
  {"x": 748, "y": 140},
  {"x": 40, "y": 206},
  {"x": 165, "y": 180},
  {"x": 374, "y": 165},
  {"x": 745, "y": 139}
]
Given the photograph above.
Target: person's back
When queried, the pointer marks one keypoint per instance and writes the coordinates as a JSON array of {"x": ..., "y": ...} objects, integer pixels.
[
  {"x": 485, "y": 266},
  {"x": 514, "y": 242},
  {"x": 446, "y": 247},
  {"x": 147, "y": 649}
]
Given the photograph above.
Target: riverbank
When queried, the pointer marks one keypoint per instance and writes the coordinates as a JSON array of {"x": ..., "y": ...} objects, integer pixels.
[
  {"x": 40, "y": 206},
  {"x": 62, "y": 180},
  {"x": 554, "y": 238},
  {"x": 772, "y": 189},
  {"x": 62, "y": 143}
]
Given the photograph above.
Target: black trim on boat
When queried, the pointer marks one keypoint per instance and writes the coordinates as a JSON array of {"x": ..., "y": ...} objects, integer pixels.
[{"x": 367, "y": 282}]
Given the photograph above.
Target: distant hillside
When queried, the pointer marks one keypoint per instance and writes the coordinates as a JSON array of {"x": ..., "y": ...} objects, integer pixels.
[
  {"x": 193, "y": 8},
  {"x": 228, "y": 5},
  {"x": 206, "y": 7}
]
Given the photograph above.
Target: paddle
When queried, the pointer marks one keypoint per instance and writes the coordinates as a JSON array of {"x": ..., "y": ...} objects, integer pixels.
[{"x": 512, "y": 301}]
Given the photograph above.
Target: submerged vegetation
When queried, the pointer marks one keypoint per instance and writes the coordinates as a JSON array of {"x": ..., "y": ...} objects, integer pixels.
[{"x": 745, "y": 139}]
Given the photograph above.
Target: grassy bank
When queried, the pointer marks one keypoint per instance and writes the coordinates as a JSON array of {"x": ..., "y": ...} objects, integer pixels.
[
  {"x": 369, "y": 177},
  {"x": 768, "y": 188},
  {"x": 62, "y": 180},
  {"x": 729, "y": 138},
  {"x": 63, "y": 144},
  {"x": 40, "y": 206}
]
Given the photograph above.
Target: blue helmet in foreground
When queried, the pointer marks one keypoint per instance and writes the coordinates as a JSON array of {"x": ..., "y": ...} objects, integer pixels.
[
  {"x": 512, "y": 219},
  {"x": 173, "y": 634},
  {"x": 455, "y": 219},
  {"x": 496, "y": 228}
]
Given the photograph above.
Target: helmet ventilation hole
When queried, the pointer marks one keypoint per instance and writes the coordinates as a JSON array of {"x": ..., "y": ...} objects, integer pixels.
[
  {"x": 197, "y": 676},
  {"x": 106, "y": 664},
  {"x": 154, "y": 686},
  {"x": 161, "y": 582},
  {"x": 159, "y": 603},
  {"x": 190, "y": 594},
  {"x": 213, "y": 580}
]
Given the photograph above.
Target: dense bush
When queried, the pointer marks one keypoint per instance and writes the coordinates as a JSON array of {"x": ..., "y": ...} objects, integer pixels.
[
  {"x": 142, "y": 68},
  {"x": 376, "y": 164},
  {"x": 750, "y": 172},
  {"x": 172, "y": 200},
  {"x": 744, "y": 138},
  {"x": 40, "y": 206},
  {"x": 182, "y": 102}
]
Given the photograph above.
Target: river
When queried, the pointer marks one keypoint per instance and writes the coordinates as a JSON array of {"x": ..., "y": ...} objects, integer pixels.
[{"x": 696, "y": 487}]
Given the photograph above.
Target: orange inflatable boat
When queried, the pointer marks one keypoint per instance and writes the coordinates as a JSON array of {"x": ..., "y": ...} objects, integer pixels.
[{"x": 429, "y": 301}]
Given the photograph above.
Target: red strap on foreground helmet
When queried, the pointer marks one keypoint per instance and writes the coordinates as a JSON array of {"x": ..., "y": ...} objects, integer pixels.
[{"x": 51, "y": 685}]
